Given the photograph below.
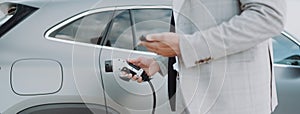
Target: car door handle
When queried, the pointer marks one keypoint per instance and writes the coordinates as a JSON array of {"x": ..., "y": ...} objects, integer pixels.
[{"x": 108, "y": 66}]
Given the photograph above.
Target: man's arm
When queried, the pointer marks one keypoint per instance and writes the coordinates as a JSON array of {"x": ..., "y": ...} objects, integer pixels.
[{"x": 259, "y": 20}]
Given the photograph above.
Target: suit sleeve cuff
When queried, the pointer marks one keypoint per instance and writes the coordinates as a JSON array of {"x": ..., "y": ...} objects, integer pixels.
[{"x": 194, "y": 50}]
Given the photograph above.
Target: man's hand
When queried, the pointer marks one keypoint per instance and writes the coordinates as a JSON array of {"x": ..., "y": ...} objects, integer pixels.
[
  {"x": 165, "y": 44},
  {"x": 149, "y": 65}
]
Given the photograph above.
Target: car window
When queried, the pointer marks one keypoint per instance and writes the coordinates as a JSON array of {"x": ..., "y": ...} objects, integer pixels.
[
  {"x": 285, "y": 51},
  {"x": 87, "y": 29},
  {"x": 6, "y": 13},
  {"x": 120, "y": 33},
  {"x": 148, "y": 21},
  {"x": 4, "y": 18},
  {"x": 129, "y": 25}
]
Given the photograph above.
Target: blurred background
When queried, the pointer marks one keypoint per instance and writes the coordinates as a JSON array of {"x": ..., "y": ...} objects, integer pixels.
[{"x": 293, "y": 18}]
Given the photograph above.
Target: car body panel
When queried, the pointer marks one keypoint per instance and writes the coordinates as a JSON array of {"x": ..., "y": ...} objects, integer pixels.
[
  {"x": 81, "y": 76},
  {"x": 18, "y": 45}
]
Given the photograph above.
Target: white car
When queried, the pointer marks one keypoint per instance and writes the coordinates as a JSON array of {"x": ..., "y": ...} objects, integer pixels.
[{"x": 56, "y": 57}]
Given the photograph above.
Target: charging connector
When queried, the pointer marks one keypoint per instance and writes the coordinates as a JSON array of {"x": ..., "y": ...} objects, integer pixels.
[{"x": 130, "y": 68}]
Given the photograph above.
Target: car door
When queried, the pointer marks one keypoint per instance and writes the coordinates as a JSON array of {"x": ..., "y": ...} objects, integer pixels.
[
  {"x": 287, "y": 73},
  {"x": 120, "y": 43},
  {"x": 79, "y": 36}
]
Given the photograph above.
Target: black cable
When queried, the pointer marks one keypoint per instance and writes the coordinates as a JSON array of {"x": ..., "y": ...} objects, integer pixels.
[
  {"x": 145, "y": 78},
  {"x": 154, "y": 96}
]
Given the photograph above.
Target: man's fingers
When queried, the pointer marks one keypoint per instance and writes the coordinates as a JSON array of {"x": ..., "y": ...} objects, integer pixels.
[
  {"x": 129, "y": 76},
  {"x": 132, "y": 61},
  {"x": 155, "y": 37},
  {"x": 140, "y": 80},
  {"x": 136, "y": 61},
  {"x": 151, "y": 46},
  {"x": 134, "y": 78}
]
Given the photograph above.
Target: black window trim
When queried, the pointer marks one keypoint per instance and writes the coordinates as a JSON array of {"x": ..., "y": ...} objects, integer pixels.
[
  {"x": 22, "y": 12},
  {"x": 107, "y": 30}
]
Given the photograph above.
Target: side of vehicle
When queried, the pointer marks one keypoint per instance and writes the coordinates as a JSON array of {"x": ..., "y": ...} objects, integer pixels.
[
  {"x": 286, "y": 51},
  {"x": 41, "y": 73}
]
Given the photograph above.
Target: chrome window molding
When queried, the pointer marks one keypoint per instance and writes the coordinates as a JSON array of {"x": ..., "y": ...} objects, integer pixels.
[
  {"x": 283, "y": 65},
  {"x": 291, "y": 37}
]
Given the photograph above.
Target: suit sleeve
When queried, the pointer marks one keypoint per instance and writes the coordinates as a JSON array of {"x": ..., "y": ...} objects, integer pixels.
[{"x": 258, "y": 21}]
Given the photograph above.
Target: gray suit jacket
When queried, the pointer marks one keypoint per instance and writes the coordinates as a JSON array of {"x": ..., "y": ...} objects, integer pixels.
[{"x": 226, "y": 54}]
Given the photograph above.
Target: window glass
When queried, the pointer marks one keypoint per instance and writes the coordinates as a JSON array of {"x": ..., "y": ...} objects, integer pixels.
[
  {"x": 6, "y": 13},
  {"x": 2, "y": 13},
  {"x": 128, "y": 25},
  {"x": 148, "y": 21},
  {"x": 88, "y": 29},
  {"x": 4, "y": 18},
  {"x": 285, "y": 51},
  {"x": 120, "y": 35}
]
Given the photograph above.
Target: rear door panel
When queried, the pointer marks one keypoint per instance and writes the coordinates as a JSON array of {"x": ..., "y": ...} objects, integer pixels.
[{"x": 127, "y": 26}]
